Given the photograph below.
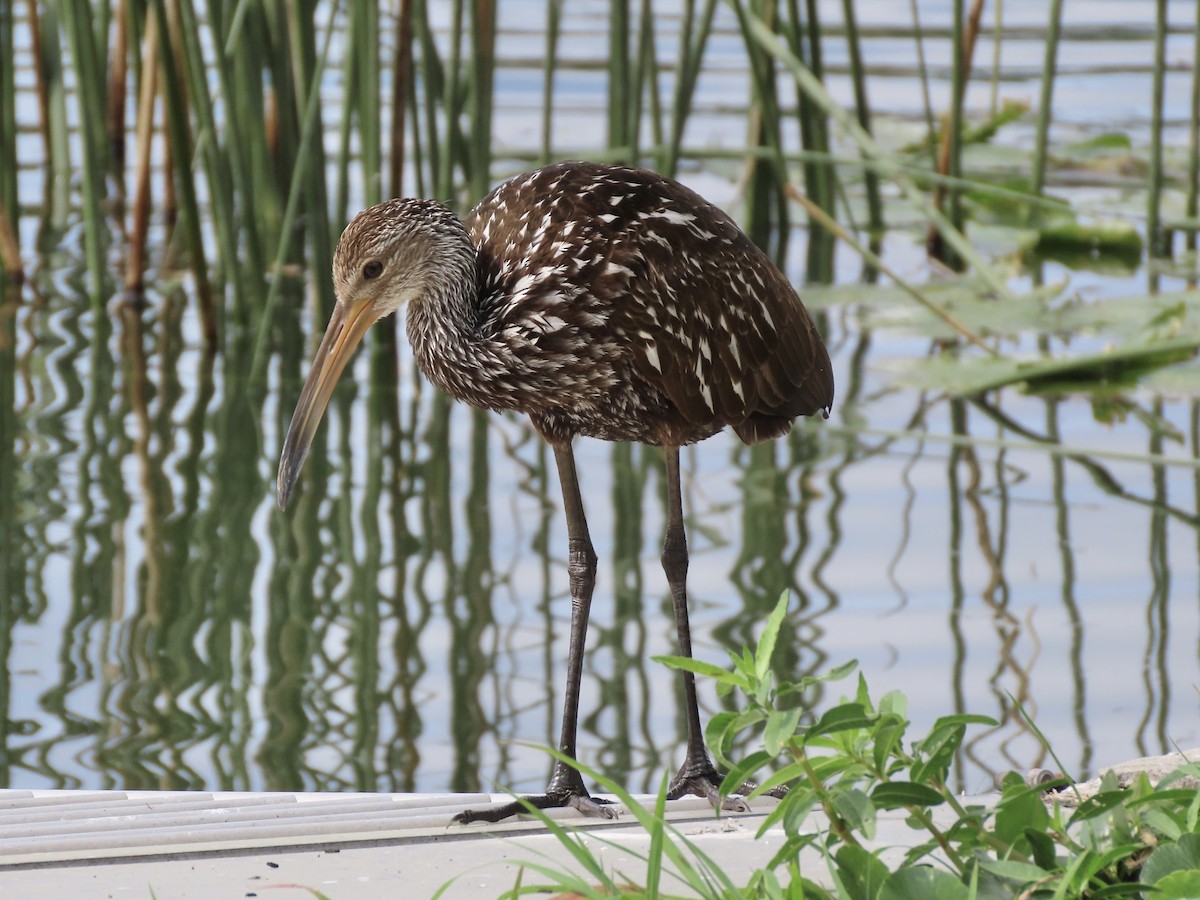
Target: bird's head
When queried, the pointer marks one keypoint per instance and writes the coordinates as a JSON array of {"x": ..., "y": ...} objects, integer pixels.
[{"x": 391, "y": 254}]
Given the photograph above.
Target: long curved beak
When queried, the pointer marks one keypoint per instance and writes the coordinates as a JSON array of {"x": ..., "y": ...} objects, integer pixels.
[{"x": 345, "y": 331}]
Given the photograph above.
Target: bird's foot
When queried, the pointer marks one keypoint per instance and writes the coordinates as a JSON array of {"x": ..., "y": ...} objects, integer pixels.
[
  {"x": 700, "y": 777},
  {"x": 565, "y": 789}
]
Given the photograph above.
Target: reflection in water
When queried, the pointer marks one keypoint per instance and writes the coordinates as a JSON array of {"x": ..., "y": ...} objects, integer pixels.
[{"x": 165, "y": 626}]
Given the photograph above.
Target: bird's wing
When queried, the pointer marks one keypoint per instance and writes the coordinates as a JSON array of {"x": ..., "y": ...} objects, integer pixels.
[{"x": 711, "y": 322}]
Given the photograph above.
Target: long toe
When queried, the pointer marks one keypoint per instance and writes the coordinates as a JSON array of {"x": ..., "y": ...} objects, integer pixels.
[
  {"x": 703, "y": 780},
  {"x": 583, "y": 802}
]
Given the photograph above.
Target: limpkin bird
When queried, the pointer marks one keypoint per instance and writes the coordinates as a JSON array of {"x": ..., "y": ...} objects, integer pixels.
[{"x": 600, "y": 301}]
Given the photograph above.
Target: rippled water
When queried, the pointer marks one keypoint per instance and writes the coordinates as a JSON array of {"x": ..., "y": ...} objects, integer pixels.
[{"x": 403, "y": 625}]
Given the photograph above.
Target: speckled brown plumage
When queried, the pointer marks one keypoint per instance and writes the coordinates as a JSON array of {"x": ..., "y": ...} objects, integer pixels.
[
  {"x": 601, "y": 301},
  {"x": 614, "y": 303}
]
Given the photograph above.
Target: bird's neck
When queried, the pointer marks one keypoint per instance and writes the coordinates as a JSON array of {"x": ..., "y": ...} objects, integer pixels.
[{"x": 443, "y": 328}]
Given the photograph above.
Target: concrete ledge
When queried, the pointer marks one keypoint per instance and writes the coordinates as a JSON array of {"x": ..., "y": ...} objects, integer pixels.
[
  {"x": 184, "y": 844},
  {"x": 169, "y": 845}
]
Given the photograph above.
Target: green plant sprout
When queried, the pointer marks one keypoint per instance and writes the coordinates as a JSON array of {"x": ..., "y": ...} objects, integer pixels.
[{"x": 852, "y": 762}]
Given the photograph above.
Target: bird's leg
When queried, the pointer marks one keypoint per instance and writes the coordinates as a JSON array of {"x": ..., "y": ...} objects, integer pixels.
[
  {"x": 566, "y": 786},
  {"x": 697, "y": 775}
]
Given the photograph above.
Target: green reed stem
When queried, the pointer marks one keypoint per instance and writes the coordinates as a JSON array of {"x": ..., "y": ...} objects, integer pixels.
[
  {"x": 1046, "y": 98},
  {"x": 402, "y": 76},
  {"x": 820, "y": 177},
  {"x": 350, "y": 102},
  {"x": 135, "y": 257},
  {"x": 863, "y": 108},
  {"x": 693, "y": 38},
  {"x": 310, "y": 167},
  {"x": 8, "y": 114},
  {"x": 225, "y": 168},
  {"x": 181, "y": 149},
  {"x": 365, "y": 24},
  {"x": 44, "y": 23},
  {"x": 1155, "y": 233},
  {"x": 887, "y": 165},
  {"x": 930, "y": 125},
  {"x": 619, "y": 77},
  {"x": 766, "y": 223},
  {"x": 78, "y": 20},
  {"x": 997, "y": 46},
  {"x": 483, "y": 70},
  {"x": 309, "y": 137},
  {"x": 644, "y": 82},
  {"x": 959, "y": 71},
  {"x": 1193, "y": 186},
  {"x": 433, "y": 81},
  {"x": 454, "y": 147},
  {"x": 549, "y": 67}
]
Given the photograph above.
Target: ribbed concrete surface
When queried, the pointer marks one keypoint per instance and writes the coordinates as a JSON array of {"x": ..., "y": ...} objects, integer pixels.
[
  {"x": 60, "y": 826},
  {"x": 171, "y": 846},
  {"x": 281, "y": 846}
]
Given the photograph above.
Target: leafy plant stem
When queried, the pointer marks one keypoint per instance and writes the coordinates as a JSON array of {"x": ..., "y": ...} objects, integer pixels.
[{"x": 817, "y": 784}]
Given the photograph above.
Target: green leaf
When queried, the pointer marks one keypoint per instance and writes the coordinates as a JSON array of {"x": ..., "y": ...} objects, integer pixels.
[
  {"x": 862, "y": 873},
  {"x": 837, "y": 673},
  {"x": 1019, "y": 810},
  {"x": 862, "y": 695},
  {"x": 1182, "y": 855},
  {"x": 1044, "y": 853},
  {"x": 699, "y": 667},
  {"x": 897, "y": 794},
  {"x": 841, "y": 718},
  {"x": 743, "y": 771},
  {"x": 856, "y": 809},
  {"x": 766, "y": 640},
  {"x": 939, "y": 749},
  {"x": 781, "y": 727},
  {"x": 1013, "y": 870},
  {"x": 1182, "y": 885},
  {"x": 964, "y": 719},
  {"x": 723, "y": 729},
  {"x": 1098, "y": 805},
  {"x": 1119, "y": 890},
  {"x": 888, "y": 735},
  {"x": 923, "y": 883}
]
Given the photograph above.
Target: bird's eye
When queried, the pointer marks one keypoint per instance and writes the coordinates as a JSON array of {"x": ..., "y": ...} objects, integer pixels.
[{"x": 372, "y": 269}]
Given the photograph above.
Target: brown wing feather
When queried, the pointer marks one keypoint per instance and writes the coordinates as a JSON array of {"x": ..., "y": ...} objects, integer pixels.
[
  {"x": 718, "y": 329},
  {"x": 626, "y": 285}
]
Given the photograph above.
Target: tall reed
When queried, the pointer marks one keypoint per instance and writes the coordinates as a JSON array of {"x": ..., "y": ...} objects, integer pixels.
[
  {"x": 241, "y": 97},
  {"x": 77, "y": 19},
  {"x": 1045, "y": 111},
  {"x": 1155, "y": 233},
  {"x": 859, "y": 76},
  {"x": 549, "y": 67},
  {"x": 694, "y": 32},
  {"x": 8, "y": 114},
  {"x": 766, "y": 218},
  {"x": 1193, "y": 167}
]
